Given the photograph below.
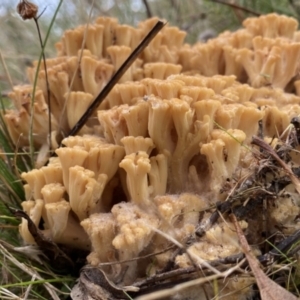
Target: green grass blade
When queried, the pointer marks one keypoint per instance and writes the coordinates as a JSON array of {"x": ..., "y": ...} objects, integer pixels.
[
  {"x": 11, "y": 182},
  {"x": 31, "y": 142}
]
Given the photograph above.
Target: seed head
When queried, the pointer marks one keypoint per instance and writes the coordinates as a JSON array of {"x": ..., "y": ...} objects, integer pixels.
[{"x": 27, "y": 10}]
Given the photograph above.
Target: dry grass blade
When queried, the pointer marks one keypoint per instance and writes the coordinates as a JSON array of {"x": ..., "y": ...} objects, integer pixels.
[
  {"x": 29, "y": 288},
  {"x": 49, "y": 287},
  {"x": 269, "y": 290}
]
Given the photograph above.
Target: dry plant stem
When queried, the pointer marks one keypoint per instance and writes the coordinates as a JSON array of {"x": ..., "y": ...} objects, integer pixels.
[
  {"x": 269, "y": 290},
  {"x": 47, "y": 82},
  {"x": 233, "y": 5},
  {"x": 29, "y": 288},
  {"x": 8, "y": 294},
  {"x": 233, "y": 259},
  {"x": 32, "y": 253},
  {"x": 182, "y": 286},
  {"x": 268, "y": 149},
  {"x": 6, "y": 71},
  {"x": 128, "y": 62}
]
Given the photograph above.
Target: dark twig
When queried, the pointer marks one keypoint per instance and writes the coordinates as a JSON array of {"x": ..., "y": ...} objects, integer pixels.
[
  {"x": 148, "y": 10},
  {"x": 233, "y": 5},
  {"x": 159, "y": 25},
  {"x": 182, "y": 272}
]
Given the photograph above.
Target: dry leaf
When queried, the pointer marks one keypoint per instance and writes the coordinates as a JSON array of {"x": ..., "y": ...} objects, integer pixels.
[
  {"x": 93, "y": 284},
  {"x": 269, "y": 290},
  {"x": 57, "y": 255}
]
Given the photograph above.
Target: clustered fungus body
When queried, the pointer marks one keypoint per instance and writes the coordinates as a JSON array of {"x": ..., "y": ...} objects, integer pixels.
[{"x": 169, "y": 142}]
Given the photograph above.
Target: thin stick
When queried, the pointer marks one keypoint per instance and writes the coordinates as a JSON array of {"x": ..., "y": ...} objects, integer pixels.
[
  {"x": 191, "y": 283},
  {"x": 159, "y": 25},
  {"x": 160, "y": 277}
]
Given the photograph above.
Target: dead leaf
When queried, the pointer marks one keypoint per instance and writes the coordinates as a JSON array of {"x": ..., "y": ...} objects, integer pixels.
[
  {"x": 57, "y": 257},
  {"x": 269, "y": 290},
  {"x": 93, "y": 284}
]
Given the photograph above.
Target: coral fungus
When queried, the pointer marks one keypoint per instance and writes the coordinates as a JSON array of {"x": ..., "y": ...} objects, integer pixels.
[{"x": 169, "y": 144}]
